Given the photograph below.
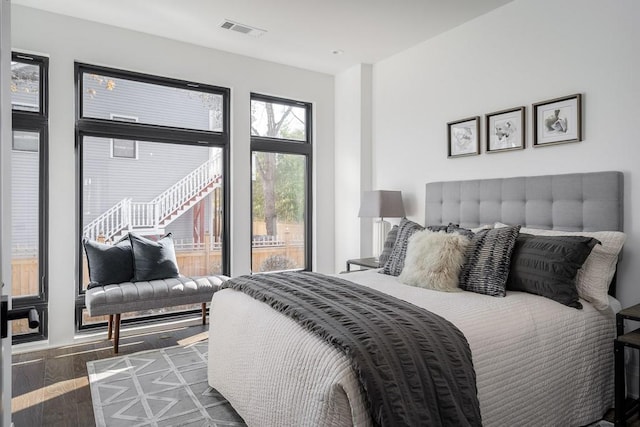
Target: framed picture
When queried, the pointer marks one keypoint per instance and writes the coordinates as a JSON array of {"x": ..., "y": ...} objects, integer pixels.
[
  {"x": 557, "y": 121},
  {"x": 464, "y": 137},
  {"x": 505, "y": 130}
]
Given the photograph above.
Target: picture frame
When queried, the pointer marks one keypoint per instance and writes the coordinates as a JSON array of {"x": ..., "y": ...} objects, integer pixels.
[
  {"x": 505, "y": 130},
  {"x": 463, "y": 137},
  {"x": 557, "y": 121}
]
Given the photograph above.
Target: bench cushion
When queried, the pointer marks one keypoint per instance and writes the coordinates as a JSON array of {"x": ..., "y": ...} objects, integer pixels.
[{"x": 136, "y": 296}]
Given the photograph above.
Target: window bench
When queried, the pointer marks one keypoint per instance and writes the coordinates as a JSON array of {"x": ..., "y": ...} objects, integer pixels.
[{"x": 125, "y": 297}]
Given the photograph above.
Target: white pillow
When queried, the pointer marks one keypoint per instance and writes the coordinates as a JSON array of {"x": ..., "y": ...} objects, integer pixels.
[
  {"x": 434, "y": 260},
  {"x": 594, "y": 278}
]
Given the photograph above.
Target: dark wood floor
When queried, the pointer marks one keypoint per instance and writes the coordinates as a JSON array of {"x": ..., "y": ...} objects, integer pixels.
[{"x": 51, "y": 388}]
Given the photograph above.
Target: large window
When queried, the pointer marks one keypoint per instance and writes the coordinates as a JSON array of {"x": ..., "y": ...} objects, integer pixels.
[
  {"x": 28, "y": 190},
  {"x": 281, "y": 184},
  {"x": 152, "y": 159}
]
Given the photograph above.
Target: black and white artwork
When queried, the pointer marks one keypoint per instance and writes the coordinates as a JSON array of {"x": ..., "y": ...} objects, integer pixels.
[
  {"x": 557, "y": 121},
  {"x": 463, "y": 137},
  {"x": 505, "y": 130}
]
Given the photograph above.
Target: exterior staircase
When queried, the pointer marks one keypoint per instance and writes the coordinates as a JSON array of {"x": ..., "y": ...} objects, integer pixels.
[{"x": 152, "y": 217}]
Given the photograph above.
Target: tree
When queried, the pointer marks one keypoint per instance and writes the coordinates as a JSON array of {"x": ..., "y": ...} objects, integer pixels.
[{"x": 267, "y": 164}]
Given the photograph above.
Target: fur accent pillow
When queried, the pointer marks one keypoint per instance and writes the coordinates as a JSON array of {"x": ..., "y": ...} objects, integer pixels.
[{"x": 434, "y": 260}]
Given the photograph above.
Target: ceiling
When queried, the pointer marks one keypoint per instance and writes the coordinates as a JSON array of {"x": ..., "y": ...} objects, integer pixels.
[{"x": 301, "y": 33}]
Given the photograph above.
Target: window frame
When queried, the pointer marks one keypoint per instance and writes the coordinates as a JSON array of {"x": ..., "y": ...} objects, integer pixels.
[
  {"x": 288, "y": 146},
  {"x": 110, "y": 129},
  {"x": 135, "y": 142},
  {"x": 37, "y": 122}
]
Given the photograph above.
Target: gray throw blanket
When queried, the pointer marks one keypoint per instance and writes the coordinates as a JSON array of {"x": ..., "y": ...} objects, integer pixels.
[{"x": 414, "y": 367}]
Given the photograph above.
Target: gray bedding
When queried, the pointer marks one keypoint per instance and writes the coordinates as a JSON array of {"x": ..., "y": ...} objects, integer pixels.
[{"x": 414, "y": 367}]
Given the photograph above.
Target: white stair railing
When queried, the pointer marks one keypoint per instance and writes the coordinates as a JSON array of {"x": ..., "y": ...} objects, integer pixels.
[
  {"x": 110, "y": 222},
  {"x": 179, "y": 194},
  {"x": 128, "y": 215}
]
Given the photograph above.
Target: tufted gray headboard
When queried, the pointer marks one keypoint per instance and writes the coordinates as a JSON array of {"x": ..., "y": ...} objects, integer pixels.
[{"x": 571, "y": 202}]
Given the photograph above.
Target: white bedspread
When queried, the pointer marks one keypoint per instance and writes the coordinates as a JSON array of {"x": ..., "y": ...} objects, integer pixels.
[{"x": 537, "y": 362}]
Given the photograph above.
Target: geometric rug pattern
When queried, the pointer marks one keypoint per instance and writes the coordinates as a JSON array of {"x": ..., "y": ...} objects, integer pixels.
[{"x": 165, "y": 387}]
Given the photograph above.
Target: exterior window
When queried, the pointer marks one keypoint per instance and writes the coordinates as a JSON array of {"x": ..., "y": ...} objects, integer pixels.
[
  {"x": 29, "y": 190},
  {"x": 178, "y": 184},
  {"x": 124, "y": 148},
  {"x": 281, "y": 183},
  {"x": 26, "y": 141},
  {"x": 26, "y": 82}
]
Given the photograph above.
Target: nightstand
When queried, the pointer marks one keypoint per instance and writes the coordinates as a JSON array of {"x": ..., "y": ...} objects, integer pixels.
[
  {"x": 632, "y": 340},
  {"x": 364, "y": 263}
]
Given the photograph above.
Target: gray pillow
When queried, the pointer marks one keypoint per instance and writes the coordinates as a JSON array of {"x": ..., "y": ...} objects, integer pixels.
[
  {"x": 548, "y": 265},
  {"x": 488, "y": 258},
  {"x": 153, "y": 260},
  {"x": 455, "y": 228},
  {"x": 108, "y": 264},
  {"x": 388, "y": 245},
  {"x": 451, "y": 228},
  {"x": 395, "y": 263}
]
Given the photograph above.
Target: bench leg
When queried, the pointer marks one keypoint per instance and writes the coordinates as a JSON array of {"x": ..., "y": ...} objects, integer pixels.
[
  {"x": 110, "y": 328},
  {"x": 116, "y": 334},
  {"x": 204, "y": 313}
]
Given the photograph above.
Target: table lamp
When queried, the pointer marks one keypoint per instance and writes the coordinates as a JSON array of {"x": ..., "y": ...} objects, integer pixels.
[{"x": 381, "y": 204}]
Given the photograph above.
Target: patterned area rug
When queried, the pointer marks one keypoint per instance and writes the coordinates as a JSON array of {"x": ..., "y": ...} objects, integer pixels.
[{"x": 166, "y": 387}]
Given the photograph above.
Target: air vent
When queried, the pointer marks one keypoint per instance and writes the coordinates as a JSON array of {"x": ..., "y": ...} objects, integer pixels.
[{"x": 242, "y": 28}]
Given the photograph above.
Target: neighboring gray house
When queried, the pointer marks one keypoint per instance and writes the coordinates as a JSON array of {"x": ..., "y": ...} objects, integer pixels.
[{"x": 151, "y": 188}]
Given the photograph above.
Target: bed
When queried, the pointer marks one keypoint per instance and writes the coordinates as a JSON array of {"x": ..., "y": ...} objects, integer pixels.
[{"x": 537, "y": 362}]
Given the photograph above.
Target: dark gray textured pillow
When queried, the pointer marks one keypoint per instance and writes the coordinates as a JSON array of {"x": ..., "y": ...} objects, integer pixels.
[
  {"x": 388, "y": 245},
  {"x": 437, "y": 228},
  {"x": 488, "y": 257},
  {"x": 548, "y": 265},
  {"x": 455, "y": 228},
  {"x": 108, "y": 264},
  {"x": 395, "y": 263},
  {"x": 153, "y": 260},
  {"x": 451, "y": 228}
]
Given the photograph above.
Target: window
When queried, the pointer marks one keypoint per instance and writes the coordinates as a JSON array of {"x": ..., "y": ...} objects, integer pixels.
[
  {"x": 281, "y": 184},
  {"x": 26, "y": 141},
  {"x": 124, "y": 148},
  {"x": 178, "y": 133},
  {"x": 29, "y": 190}
]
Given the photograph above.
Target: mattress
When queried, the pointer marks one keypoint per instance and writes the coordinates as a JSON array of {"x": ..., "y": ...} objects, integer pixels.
[{"x": 537, "y": 362}]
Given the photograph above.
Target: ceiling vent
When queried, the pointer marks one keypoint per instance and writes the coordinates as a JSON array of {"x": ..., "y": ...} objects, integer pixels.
[{"x": 242, "y": 28}]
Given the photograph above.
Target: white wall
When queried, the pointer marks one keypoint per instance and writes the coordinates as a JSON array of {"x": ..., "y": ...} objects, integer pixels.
[
  {"x": 66, "y": 40},
  {"x": 519, "y": 54},
  {"x": 352, "y": 162}
]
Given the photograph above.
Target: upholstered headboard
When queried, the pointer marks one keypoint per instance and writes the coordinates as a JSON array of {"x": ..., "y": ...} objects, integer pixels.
[{"x": 571, "y": 202}]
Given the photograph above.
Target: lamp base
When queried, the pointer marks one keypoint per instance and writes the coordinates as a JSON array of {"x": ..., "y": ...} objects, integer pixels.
[{"x": 380, "y": 230}]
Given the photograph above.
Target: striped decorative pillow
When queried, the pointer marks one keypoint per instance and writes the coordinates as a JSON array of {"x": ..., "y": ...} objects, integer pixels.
[
  {"x": 395, "y": 263},
  {"x": 388, "y": 245},
  {"x": 488, "y": 259},
  {"x": 548, "y": 265}
]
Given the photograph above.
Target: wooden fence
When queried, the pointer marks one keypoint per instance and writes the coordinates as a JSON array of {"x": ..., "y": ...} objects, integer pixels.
[{"x": 278, "y": 252}]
